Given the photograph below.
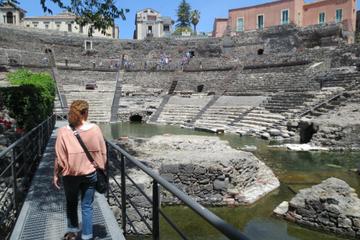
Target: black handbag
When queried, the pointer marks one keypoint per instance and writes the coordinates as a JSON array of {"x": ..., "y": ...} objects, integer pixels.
[{"x": 102, "y": 181}]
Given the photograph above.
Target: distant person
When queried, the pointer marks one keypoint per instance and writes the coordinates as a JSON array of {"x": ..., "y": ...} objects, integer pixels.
[{"x": 78, "y": 173}]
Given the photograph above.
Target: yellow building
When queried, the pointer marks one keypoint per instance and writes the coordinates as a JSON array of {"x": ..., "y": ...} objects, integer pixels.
[{"x": 66, "y": 22}]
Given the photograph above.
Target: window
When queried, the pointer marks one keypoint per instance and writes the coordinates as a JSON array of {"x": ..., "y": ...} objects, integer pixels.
[
  {"x": 260, "y": 22},
  {"x": 9, "y": 18},
  {"x": 69, "y": 27},
  {"x": 27, "y": 25},
  {"x": 46, "y": 25},
  {"x": 285, "y": 16},
  {"x": 88, "y": 45},
  {"x": 321, "y": 18},
  {"x": 338, "y": 15},
  {"x": 151, "y": 18},
  {"x": 58, "y": 24},
  {"x": 35, "y": 24},
  {"x": 240, "y": 24},
  {"x": 166, "y": 28}
]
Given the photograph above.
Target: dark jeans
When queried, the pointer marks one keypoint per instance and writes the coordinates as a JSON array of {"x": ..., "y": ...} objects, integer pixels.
[{"x": 85, "y": 185}]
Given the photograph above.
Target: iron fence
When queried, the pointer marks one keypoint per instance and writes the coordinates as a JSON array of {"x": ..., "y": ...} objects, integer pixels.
[
  {"x": 18, "y": 163},
  {"x": 120, "y": 160}
]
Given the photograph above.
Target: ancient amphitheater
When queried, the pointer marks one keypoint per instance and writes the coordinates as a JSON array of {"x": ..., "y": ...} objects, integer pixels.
[
  {"x": 283, "y": 83},
  {"x": 258, "y": 83}
]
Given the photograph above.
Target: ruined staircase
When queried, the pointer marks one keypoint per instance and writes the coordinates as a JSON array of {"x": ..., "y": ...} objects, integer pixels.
[{"x": 100, "y": 99}]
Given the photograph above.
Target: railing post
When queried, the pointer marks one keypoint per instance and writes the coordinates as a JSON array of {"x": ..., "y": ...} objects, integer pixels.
[
  {"x": 13, "y": 176},
  {"x": 123, "y": 193},
  {"x": 108, "y": 156},
  {"x": 39, "y": 135},
  {"x": 155, "y": 211}
]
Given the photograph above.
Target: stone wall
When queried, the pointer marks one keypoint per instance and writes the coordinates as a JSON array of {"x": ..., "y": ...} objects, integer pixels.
[
  {"x": 331, "y": 206},
  {"x": 16, "y": 57},
  {"x": 283, "y": 39}
]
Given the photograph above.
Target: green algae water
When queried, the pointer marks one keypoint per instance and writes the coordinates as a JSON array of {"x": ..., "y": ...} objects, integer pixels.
[{"x": 295, "y": 170}]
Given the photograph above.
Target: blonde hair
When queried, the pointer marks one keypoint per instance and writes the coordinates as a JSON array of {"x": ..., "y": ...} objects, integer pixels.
[{"x": 77, "y": 112}]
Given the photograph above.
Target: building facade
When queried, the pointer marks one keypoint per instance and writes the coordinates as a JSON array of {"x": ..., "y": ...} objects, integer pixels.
[
  {"x": 220, "y": 26},
  {"x": 295, "y": 12},
  {"x": 150, "y": 23},
  {"x": 11, "y": 14},
  {"x": 65, "y": 22}
]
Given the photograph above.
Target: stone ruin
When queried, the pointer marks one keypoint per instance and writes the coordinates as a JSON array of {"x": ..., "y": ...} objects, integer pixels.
[
  {"x": 331, "y": 206},
  {"x": 226, "y": 87},
  {"x": 207, "y": 169}
]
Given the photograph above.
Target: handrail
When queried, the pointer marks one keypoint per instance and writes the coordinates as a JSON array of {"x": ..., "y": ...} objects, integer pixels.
[
  {"x": 225, "y": 228},
  {"x": 20, "y": 159}
]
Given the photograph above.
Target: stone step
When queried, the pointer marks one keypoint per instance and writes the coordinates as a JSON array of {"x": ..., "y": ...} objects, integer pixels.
[
  {"x": 265, "y": 120},
  {"x": 259, "y": 123},
  {"x": 266, "y": 115},
  {"x": 247, "y": 125}
]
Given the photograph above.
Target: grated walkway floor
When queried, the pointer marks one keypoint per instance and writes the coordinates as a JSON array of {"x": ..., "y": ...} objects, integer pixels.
[{"x": 43, "y": 214}]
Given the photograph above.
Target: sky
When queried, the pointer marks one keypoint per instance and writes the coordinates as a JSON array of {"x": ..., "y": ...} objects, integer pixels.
[{"x": 209, "y": 9}]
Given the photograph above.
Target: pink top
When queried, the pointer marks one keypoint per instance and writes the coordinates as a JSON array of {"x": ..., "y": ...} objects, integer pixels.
[{"x": 70, "y": 156}]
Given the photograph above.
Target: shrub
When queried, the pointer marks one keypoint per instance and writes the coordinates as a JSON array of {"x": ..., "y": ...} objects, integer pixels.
[{"x": 31, "y": 98}]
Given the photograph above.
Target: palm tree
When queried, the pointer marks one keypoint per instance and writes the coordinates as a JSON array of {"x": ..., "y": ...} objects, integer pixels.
[{"x": 195, "y": 18}]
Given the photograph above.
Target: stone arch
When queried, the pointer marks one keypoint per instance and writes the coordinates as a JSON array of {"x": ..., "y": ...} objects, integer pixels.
[
  {"x": 260, "y": 51},
  {"x": 10, "y": 18},
  {"x": 136, "y": 118}
]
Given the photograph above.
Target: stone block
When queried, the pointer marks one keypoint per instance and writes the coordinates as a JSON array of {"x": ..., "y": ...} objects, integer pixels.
[
  {"x": 219, "y": 185},
  {"x": 265, "y": 136},
  {"x": 282, "y": 208},
  {"x": 170, "y": 168},
  {"x": 344, "y": 222},
  {"x": 356, "y": 222}
]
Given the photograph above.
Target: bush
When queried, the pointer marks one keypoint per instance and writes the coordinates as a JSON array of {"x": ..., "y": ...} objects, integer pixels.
[{"x": 32, "y": 100}]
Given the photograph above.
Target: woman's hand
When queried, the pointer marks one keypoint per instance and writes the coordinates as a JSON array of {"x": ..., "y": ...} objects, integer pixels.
[{"x": 56, "y": 181}]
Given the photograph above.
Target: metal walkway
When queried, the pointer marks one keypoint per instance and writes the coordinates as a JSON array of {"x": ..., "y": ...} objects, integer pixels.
[{"x": 43, "y": 214}]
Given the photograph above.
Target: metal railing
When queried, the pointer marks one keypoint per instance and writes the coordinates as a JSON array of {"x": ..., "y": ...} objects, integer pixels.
[
  {"x": 17, "y": 165},
  {"x": 119, "y": 159}
]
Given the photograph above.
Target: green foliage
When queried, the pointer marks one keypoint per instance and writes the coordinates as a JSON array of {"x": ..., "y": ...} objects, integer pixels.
[
  {"x": 180, "y": 30},
  {"x": 99, "y": 14},
  {"x": 195, "y": 18},
  {"x": 32, "y": 99},
  {"x": 183, "y": 14}
]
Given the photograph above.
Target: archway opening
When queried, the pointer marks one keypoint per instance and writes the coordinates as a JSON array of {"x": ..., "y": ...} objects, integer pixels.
[
  {"x": 260, "y": 51},
  {"x": 307, "y": 130},
  {"x": 136, "y": 118},
  {"x": 10, "y": 18},
  {"x": 200, "y": 88}
]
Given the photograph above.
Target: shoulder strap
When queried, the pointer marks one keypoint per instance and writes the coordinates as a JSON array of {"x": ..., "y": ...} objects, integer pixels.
[{"x": 77, "y": 135}]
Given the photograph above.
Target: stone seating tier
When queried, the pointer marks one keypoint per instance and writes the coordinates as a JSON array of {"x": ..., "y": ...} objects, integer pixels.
[
  {"x": 178, "y": 114},
  {"x": 218, "y": 116},
  {"x": 345, "y": 80},
  {"x": 100, "y": 99}
]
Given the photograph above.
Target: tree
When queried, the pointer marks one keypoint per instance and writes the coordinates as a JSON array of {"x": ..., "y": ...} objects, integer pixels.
[
  {"x": 195, "y": 18},
  {"x": 99, "y": 14},
  {"x": 183, "y": 14}
]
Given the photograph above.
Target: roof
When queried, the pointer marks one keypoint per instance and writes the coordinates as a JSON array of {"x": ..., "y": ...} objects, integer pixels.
[
  {"x": 151, "y": 9},
  {"x": 221, "y": 19},
  {"x": 318, "y": 2},
  {"x": 11, "y": 6},
  {"x": 61, "y": 16},
  {"x": 260, "y": 5}
]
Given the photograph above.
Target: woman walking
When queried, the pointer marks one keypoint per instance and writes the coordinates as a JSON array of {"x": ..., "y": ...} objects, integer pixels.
[{"x": 78, "y": 173}]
